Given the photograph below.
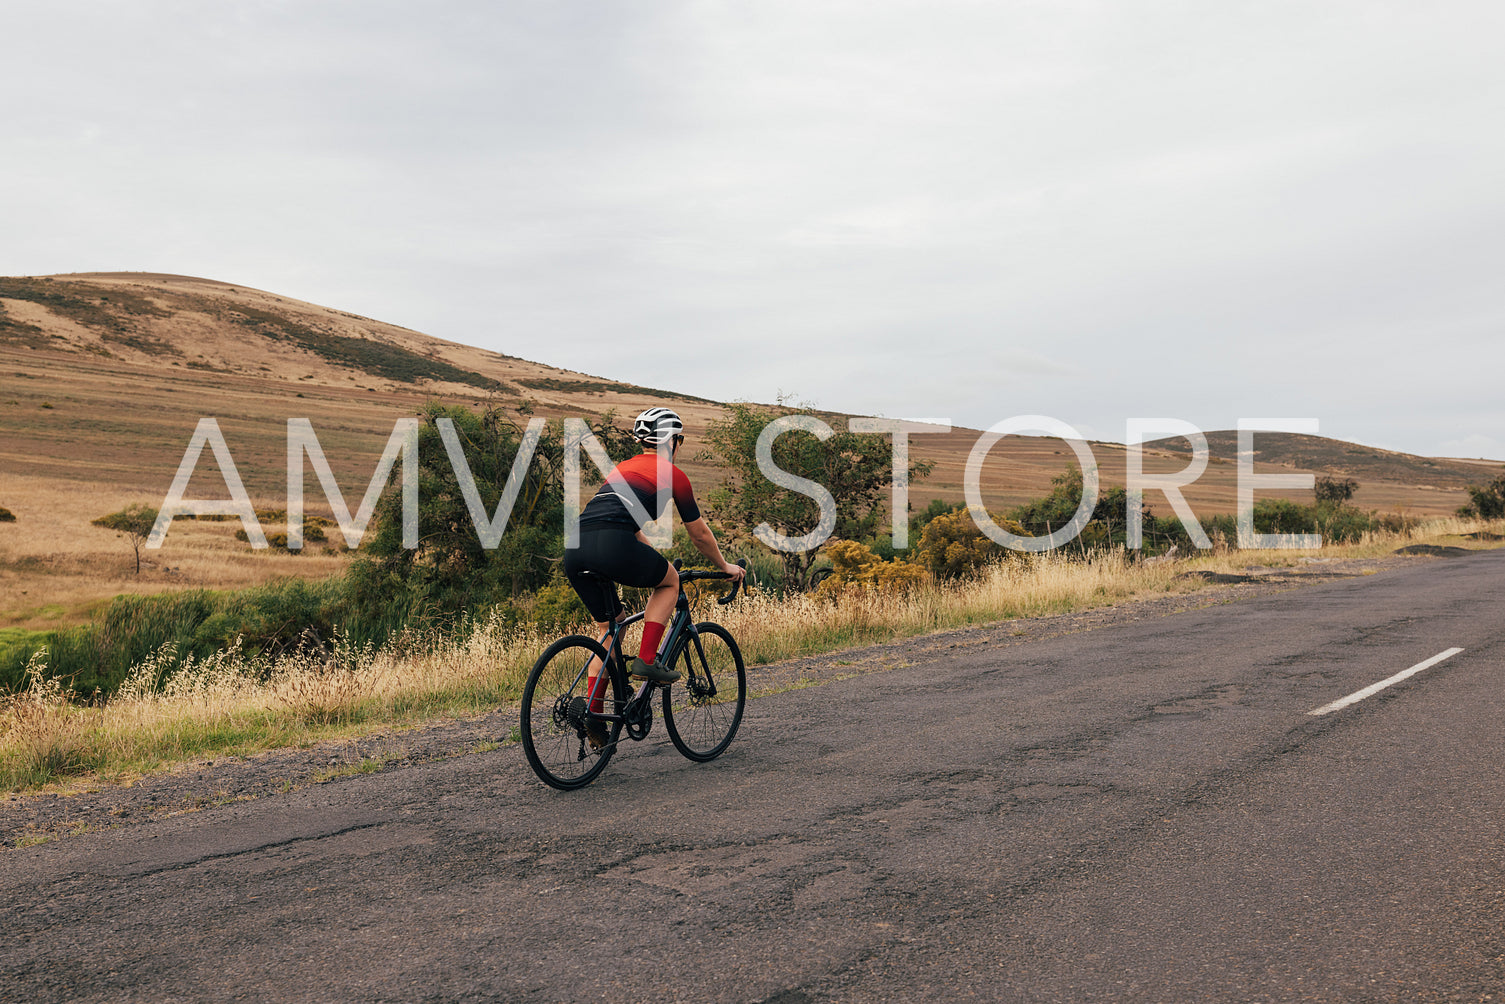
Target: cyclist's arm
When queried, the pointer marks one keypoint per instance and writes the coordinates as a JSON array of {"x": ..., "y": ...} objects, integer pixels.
[{"x": 705, "y": 542}]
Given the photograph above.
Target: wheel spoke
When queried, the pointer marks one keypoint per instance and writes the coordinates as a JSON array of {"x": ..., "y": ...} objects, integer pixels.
[
  {"x": 554, "y": 715},
  {"x": 702, "y": 711}
]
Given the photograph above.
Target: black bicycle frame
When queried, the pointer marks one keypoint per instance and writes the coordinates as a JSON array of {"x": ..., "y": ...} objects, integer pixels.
[{"x": 682, "y": 632}]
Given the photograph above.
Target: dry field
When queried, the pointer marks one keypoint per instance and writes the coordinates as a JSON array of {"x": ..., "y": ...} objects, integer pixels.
[
  {"x": 232, "y": 704},
  {"x": 103, "y": 378}
]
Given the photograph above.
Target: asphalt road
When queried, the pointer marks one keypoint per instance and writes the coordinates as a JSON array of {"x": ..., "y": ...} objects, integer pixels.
[{"x": 1146, "y": 812}]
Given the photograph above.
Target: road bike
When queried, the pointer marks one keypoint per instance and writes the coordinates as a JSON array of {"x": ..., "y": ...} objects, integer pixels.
[{"x": 701, "y": 711}]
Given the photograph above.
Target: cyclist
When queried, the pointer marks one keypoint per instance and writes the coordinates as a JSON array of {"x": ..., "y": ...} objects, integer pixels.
[{"x": 612, "y": 544}]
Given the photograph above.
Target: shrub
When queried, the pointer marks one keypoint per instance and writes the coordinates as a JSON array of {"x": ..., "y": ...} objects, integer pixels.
[
  {"x": 952, "y": 545},
  {"x": 6, "y": 516},
  {"x": 921, "y": 519},
  {"x": 1108, "y": 524},
  {"x": 269, "y": 618},
  {"x": 278, "y": 540},
  {"x": 855, "y": 564},
  {"x": 855, "y": 468},
  {"x": 1337, "y": 524},
  {"x": 1343, "y": 524},
  {"x": 313, "y": 527},
  {"x": 1393, "y": 522},
  {"x": 1488, "y": 500},
  {"x": 557, "y": 607},
  {"x": 451, "y": 572},
  {"x": 1284, "y": 516}
]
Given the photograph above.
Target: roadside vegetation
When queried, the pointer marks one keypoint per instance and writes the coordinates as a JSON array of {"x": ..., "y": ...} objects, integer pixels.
[{"x": 405, "y": 637}]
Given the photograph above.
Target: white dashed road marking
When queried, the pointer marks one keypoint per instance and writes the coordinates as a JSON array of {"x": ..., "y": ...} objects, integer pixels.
[{"x": 1375, "y": 688}]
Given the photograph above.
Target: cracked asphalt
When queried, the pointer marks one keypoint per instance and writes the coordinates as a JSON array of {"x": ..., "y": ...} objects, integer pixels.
[{"x": 1141, "y": 812}]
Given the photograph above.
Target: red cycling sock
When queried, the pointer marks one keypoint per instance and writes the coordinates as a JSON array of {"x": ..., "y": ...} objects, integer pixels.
[
  {"x": 596, "y": 701},
  {"x": 652, "y": 635}
]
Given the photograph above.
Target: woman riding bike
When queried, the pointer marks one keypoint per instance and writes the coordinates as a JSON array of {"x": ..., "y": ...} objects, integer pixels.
[{"x": 613, "y": 548}]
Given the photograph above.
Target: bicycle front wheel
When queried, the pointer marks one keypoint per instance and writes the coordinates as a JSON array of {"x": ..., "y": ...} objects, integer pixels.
[
  {"x": 702, "y": 711},
  {"x": 554, "y": 719}
]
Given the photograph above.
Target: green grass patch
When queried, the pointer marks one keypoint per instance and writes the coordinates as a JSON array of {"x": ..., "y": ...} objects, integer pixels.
[{"x": 98, "y": 656}]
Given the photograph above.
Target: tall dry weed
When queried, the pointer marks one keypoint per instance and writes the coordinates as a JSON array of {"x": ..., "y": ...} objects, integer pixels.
[{"x": 42, "y": 734}]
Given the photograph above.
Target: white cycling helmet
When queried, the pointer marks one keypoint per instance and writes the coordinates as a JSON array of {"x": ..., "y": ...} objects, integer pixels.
[{"x": 657, "y": 425}]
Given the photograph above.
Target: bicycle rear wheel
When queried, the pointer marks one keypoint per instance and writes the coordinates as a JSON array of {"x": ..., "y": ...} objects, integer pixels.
[
  {"x": 553, "y": 721},
  {"x": 702, "y": 711}
]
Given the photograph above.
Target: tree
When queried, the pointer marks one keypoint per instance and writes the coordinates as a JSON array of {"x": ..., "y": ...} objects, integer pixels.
[
  {"x": 1488, "y": 500},
  {"x": 856, "y": 468},
  {"x": 1334, "y": 491},
  {"x": 1110, "y": 515},
  {"x": 451, "y": 570},
  {"x": 134, "y": 522}
]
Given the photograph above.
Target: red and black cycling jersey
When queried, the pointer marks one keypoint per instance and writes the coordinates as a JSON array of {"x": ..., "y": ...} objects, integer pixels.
[{"x": 639, "y": 477}]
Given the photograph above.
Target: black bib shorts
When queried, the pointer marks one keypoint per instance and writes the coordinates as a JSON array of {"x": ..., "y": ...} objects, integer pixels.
[{"x": 617, "y": 554}]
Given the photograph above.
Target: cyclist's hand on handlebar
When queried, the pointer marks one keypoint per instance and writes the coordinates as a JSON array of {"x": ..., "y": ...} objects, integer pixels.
[{"x": 734, "y": 572}]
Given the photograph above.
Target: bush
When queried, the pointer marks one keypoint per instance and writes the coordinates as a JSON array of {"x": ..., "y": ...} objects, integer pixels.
[
  {"x": 1108, "y": 524},
  {"x": 557, "y": 607},
  {"x": 921, "y": 519},
  {"x": 1488, "y": 501},
  {"x": 855, "y": 564},
  {"x": 270, "y": 618},
  {"x": 451, "y": 573},
  {"x": 1337, "y": 523},
  {"x": 1393, "y": 522},
  {"x": 1343, "y": 524},
  {"x": 855, "y": 468},
  {"x": 6, "y": 516},
  {"x": 764, "y": 569},
  {"x": 1284, "y": 516},
  {"x": 952, "y": 546},
  {"x": 1334, "y": 491},
  {"x": 311, "y": 534}
]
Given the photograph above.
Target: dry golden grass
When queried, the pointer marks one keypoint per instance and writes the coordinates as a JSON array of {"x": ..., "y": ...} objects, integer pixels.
[
  {"x": 235, "y": 704},
  {"x": 56, "y": 568},
  {"x": 232, "y": 704}
]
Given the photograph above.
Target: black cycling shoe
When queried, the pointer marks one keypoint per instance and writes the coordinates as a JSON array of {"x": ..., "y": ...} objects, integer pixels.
[{"x": 653, "y": 671}]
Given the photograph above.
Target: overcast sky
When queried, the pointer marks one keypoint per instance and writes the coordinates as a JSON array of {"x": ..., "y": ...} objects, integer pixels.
[{"x": 1092, "y": 211}]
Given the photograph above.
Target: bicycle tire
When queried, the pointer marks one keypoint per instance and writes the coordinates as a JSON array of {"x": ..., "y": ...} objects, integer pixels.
[
  {"x": 553, "y": 733},
  {"x": 702, "y": 724}
]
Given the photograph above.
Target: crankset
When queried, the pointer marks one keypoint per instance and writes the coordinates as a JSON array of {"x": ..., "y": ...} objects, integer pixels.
[{"x": 637, "y": 717}]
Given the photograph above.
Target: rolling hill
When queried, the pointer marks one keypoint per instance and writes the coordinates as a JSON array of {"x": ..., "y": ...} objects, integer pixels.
[{"x": 103, "y": 377}]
